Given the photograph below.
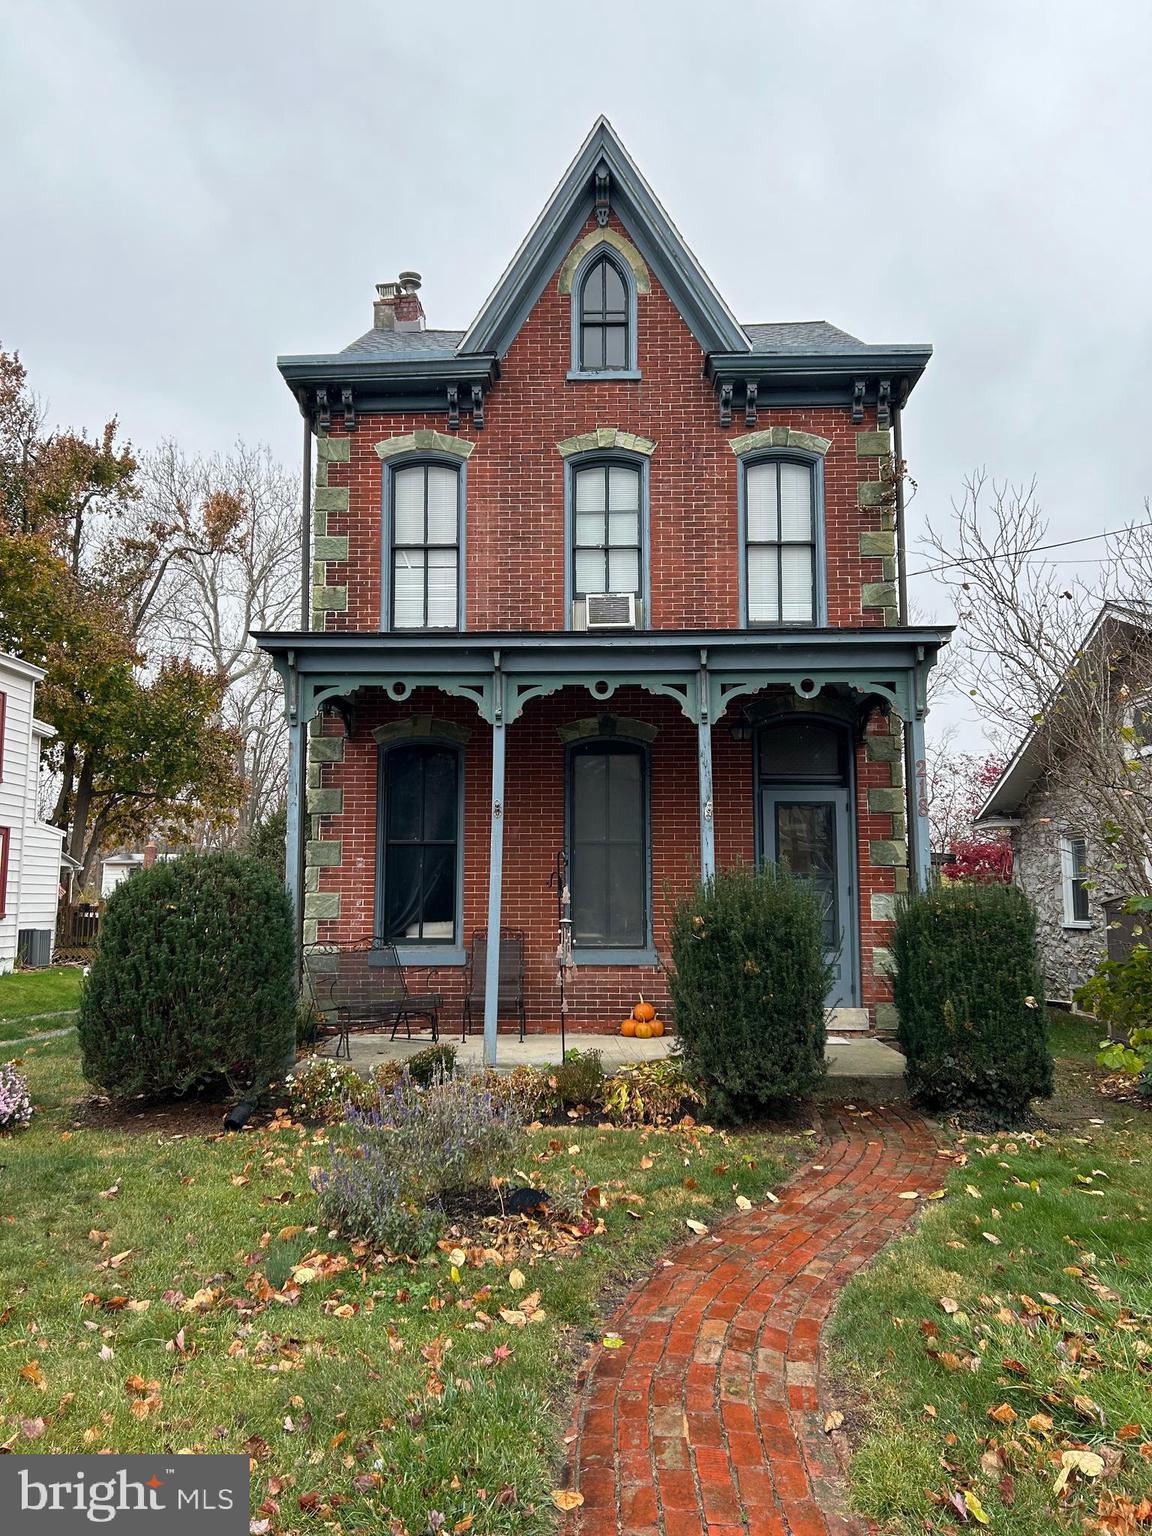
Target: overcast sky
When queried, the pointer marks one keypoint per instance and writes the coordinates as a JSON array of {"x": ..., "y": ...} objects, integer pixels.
[{"x": 189, "y": 190}]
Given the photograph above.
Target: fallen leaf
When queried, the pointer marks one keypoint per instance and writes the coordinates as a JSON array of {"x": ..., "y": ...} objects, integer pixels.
[
  {"x": 974, "y": 1506},
  {"x": 695, "y": 1226},
  {"x": 1087, "y": 1463},
  {"x": 990, "y": 1237},
  {"x": 32, "y": 1429},
  {"x": 743, "y": 1203},
  {"x": 949, "y": 1304},
  {"x": 33, "y": 1374},
  {"x": 567, "y": 1498},
  {"x": 516, "y": 1279},
  {"x": 833, "y": 1421},
  {"x": 1003, "y": 1414}
]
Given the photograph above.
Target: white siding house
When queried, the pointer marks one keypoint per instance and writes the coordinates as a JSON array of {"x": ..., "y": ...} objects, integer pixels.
[{"x": 29, "y": 848}]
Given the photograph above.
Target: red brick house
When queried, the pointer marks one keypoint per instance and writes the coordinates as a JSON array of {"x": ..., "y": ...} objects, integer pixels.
[{"x": 608, "y": 575}]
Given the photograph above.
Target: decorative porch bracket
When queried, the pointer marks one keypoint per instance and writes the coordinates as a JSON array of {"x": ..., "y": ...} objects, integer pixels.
[
  {"x": 681, "y": 687},
  {"x": 725, "y": 687}
]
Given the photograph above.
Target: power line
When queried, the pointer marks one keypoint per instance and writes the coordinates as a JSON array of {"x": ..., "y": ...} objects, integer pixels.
[{"x": 1032, "y": 549}]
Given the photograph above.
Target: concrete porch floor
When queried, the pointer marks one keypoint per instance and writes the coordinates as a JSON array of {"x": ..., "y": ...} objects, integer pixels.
[{"x": 863, "y": 1056}]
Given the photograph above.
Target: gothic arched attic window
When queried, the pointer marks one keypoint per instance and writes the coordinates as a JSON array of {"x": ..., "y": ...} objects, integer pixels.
[{"x": 605, "y": 341}]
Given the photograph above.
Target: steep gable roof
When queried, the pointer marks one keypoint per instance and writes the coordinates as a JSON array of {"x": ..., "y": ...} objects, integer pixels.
[
  {"x": 1023, "y": 770},
  {"x": 648, "y": 225}
]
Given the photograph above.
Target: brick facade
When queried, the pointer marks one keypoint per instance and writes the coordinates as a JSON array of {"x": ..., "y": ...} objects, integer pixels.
[{"x": 514, "y": 560}]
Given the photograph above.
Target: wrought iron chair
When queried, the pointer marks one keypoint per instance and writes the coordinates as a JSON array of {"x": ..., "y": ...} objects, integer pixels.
[
  {"x": 363, "y": 986},
  {"x": 510, "y": 991}
]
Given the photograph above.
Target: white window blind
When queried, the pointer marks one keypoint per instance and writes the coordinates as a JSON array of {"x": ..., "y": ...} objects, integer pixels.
[{"x": 781, "y": 542}]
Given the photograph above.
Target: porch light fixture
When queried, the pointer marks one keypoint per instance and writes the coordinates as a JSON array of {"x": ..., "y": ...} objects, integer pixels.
[{"x": 740, "y": 730}]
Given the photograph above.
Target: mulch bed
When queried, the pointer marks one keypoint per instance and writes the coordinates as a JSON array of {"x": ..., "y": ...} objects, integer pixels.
[{"x": 181, "y": 1117}]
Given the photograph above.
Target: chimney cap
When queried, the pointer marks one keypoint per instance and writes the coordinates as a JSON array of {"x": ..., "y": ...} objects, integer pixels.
[
  {"x": 387, "y": 290},
  {"x": 410, "y": 281}
]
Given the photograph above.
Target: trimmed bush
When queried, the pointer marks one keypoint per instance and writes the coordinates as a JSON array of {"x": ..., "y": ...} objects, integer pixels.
[
  {"x": 748, "y": 984},
  {"x": 578, "y": 1080},
  {"x": 192, "y": 981},
  {"x": 431, "y": 1064},
  {"x": 321, "y": 1088},
  {"x": 969, "y": 994}
]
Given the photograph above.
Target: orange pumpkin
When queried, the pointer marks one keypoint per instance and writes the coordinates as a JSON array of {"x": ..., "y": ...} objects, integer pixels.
[
  {"x": 657, "y": 1027},
  {"x": 629, "y": 1026},
  {"x": 643, "y": 1012},
  {"x": 643, "y": 1030}
]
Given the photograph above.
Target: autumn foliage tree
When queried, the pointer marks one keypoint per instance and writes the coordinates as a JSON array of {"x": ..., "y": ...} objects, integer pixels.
[
  {"x": 139, "y": 745},
  {"x": 958, "y": 785}
]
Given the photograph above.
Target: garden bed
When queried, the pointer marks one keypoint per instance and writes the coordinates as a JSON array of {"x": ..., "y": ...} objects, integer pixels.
[{"x": 172, "y": 1290}]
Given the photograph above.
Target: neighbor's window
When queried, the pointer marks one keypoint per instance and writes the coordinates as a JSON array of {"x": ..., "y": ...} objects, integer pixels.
[
  {"x": 606, "y": 556},
  {"x": 420, "y": 813},
  {"x": 604, "y": 339},
  {"x": 780, "y": 539},
  {"x": 608, "y": 876},
  {"x": 425, "y": 553},
  {"x": 1074, "y": 875},
  {"x": 1140, "y": 722}
]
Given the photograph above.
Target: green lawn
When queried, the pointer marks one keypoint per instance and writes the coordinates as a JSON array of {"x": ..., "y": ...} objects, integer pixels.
[
  {"x": 132, "y": 1267},
  {"x": 1013, "y": 1330},
  {"x": 24, "y": 994}
]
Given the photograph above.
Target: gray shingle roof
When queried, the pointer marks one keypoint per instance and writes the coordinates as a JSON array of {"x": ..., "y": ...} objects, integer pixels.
[
  {"x": 404, "y": 344},
  {"x": 801, "y": 337},
  {"x": 792, "y": 337}
]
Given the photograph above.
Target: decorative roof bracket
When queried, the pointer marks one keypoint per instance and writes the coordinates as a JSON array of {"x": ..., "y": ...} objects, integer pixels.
[
  {"x": 323, "y": 411},
  {"x": 603, "y": 204},
  {"x": 453, "y": 408},
  {"x": 725, "y": 405},
  {"x": 857, "y": 401},
  {"x": 884, "y": 404},
  {"x": 750, "y": 403},
  {"x": 349, "y": 409},
  {"x": 478, "y": 407}
]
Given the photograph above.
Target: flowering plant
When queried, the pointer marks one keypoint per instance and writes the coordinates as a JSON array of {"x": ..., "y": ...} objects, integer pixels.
[{"x": 15, "y": 1100}]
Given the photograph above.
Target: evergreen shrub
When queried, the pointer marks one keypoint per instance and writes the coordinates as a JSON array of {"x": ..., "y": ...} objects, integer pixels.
[
  {"x": 192, "y": 983},
  {"x": 969, "y": 995},
  {"x": 748, "y": 982}
]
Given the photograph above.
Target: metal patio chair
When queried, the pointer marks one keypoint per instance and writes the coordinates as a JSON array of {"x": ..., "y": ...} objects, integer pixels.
[
  {"x": 510, "y": 991},
  {"x": 363, "y": 986}
]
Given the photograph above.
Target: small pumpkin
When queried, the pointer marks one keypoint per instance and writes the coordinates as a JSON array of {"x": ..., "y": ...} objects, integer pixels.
[
  {"x": 629, "y": 1026},
  {"x": 643, "y": 1012},
  {"x": 643, "y": 1030},
  {"x": 657, "y": 1028}
]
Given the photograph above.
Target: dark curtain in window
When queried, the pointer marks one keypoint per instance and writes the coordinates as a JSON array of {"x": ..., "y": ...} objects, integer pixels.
[
  {"x": 608, "y": 870},
  {"x": 420, "y": 815}
]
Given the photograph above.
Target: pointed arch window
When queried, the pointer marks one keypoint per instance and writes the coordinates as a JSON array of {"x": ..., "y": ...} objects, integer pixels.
[{"x": 605, "y": 329}]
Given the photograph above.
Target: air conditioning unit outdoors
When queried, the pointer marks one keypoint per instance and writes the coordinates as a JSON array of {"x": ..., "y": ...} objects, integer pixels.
[{"x": 610, "y": 610}]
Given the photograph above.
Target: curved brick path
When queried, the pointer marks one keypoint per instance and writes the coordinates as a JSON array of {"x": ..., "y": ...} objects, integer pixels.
[{"x": 707, "y": 1421}]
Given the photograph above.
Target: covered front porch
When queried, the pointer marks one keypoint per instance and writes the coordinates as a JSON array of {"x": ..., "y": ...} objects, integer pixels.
[{"x": 710, "y": 697}]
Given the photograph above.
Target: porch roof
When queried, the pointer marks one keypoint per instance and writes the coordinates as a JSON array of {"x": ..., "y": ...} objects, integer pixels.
[{"x": 703, "y": 670}]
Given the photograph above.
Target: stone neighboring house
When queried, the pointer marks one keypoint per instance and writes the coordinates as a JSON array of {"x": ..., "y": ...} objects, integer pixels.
[
  {"x": 1061, "y": 857},
  {"x": 30, "y": 849},
  {"x": 608, "y": 583}
]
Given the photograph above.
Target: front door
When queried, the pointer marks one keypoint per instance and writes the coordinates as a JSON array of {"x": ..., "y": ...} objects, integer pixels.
[{"x": 806, "y": 829}]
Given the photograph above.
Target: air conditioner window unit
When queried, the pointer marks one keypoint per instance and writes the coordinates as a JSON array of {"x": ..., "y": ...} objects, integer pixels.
[{"x": 611, "y": 610}]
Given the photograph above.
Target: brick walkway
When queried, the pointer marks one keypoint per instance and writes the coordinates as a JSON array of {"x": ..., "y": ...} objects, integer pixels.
[{"x": 707, "y": 1421}]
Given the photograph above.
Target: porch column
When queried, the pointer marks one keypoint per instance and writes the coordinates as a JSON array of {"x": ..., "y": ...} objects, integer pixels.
[
  {"x": 293, "y": 849},
  {"x": 495, "y": 889},
  {"x": 920, "y": 847},
  {"x": 704, "y": 770}
]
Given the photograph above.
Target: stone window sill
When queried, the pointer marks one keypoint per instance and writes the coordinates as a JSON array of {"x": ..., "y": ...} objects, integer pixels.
[{"x": 1078, "y": 925}]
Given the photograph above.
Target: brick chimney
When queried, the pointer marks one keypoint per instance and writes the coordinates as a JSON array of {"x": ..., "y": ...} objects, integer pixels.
[
  {"x": 398, "y": 307},
  {"x": 150, "y": 852}
]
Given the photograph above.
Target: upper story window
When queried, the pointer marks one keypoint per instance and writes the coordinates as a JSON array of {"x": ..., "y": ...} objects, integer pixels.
[
  {"x": 1074, "y": 881},
  {"x": 607, "y": 533},
  {"x": 424, "y": 518},
  {"x": 604, "y": 317},
  {"x": 782, "y": 536}
]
